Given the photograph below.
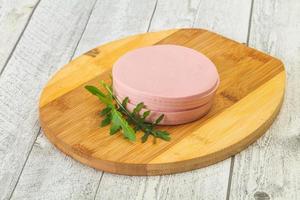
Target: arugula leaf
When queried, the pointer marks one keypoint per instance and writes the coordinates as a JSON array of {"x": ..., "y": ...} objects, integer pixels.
[
  {"x": 108, "y": 87},
  {"x": 116, "y": 114},
  {"x": 105, "y": 111},
  {"x": 163, "y": 135},
  {"x": 145, "y": 137},
  {"x": 125, "y": 101},
  {"x": 158, "y": 120},
  {"x": 101, "y": 96},
  {"x": 119, "y": 121},
  {"x": 106, "y": 120},
  {"x": 94, "y": 90},
  {"x": 146, "y": 114},
  {"x": 138, "y": 108},
  {"x": 114, "y": 128}
]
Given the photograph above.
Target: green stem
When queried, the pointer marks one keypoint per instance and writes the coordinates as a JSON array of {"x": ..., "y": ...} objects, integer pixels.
[{"x": 143, "y": 127}]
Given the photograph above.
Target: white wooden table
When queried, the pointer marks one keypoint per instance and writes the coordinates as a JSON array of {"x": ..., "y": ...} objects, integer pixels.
[{"x": 39, "y": 36}]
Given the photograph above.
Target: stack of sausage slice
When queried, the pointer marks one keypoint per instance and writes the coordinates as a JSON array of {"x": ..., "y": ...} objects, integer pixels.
[{"x": 176, "y": 81}]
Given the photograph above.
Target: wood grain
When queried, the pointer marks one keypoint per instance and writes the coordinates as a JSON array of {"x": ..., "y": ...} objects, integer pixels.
[
  {"x": 271, "y": 168},
  {"x": 221, "y": 17},
  {"x": 47, "y": 43},
  {"x": 14, "y": 17},
  {"x": 248, "y": 82},
  {"x": 207, "y": 183},
  {"x": 38, "y": 179}
]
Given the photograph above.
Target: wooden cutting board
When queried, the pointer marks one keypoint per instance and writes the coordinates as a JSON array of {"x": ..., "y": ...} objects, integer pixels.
[{"x": 248, "y": 99}]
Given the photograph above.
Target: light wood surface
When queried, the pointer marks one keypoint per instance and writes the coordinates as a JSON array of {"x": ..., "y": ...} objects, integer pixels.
[
  {"x": 195, "y": 184},
  {"x": 32, "y": 168},
  {"x": 271, "y": 168},
  {"x": 22, "y": 80},
  {"x": 14, "y": 17},
  {"x": 247, "y": 101}
]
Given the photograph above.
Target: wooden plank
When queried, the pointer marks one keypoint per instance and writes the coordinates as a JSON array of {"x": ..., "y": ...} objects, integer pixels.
[
  {"x": 14, "y": 17},
  {"x": 174, "y": 14},
  {"x": 206, "y": 183},
  {"x": 198, "y": 184},
  {"x": 228, "y": 18},
  {"x": 48, "y": 173},
  {"x": 114, "y": 19},
  {"x": 120, "y": 179},
  {"x": 218, "y": 17},
  {"x": 270, "y": 168},
  {"x": 48, "y": 42}
]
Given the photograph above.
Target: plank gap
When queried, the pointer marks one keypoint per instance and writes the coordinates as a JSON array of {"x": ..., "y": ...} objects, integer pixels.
[
  {"x": 99, "y": 182},
  {"x": 250, "y": 22},
  {"x": 233, "y": 157},
  {"x": 151, "y": 18},
  {"x": 83, "y": 31},
  {"x": 230, "y": 177},
  {"x": 36, "y": 124},
  {"x": 24, "y": 164},
  {"x": 19, "y": 38}
]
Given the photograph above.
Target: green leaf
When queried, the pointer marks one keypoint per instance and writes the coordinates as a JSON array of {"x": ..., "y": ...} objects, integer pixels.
[
  {"x": 105, "y": 111},
  {"x": 158, "y": 120},
  {"x": 114, "y": 129},
  {"x": 118, "y": 120},
  {"x": 94, "y": 90},
  {"x": 125, "y": 101},
  {"x": 163, "y": 135},
  {"x": 107, "y": 87},
  {"x": 145, "y": 137},
  {"x": 106, "y": 120},
  {"x": 101, "y": 96},
  {"x": 117, "y": 114},
  {"x": 146, "y": 114},
  {"x": 138, "y": 108}
]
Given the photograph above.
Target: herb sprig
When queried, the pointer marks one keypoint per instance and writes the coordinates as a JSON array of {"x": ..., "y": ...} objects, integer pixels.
[{"x": 121, "y": 119}]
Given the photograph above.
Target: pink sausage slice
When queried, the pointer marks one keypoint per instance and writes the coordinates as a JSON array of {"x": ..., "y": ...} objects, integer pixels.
[
  {"x": 165, "y": 73},
  {"x": 175, "y": 118}
]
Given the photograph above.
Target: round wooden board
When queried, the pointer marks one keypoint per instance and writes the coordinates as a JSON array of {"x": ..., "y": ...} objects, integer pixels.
[{"x": 248, "y": 99}]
